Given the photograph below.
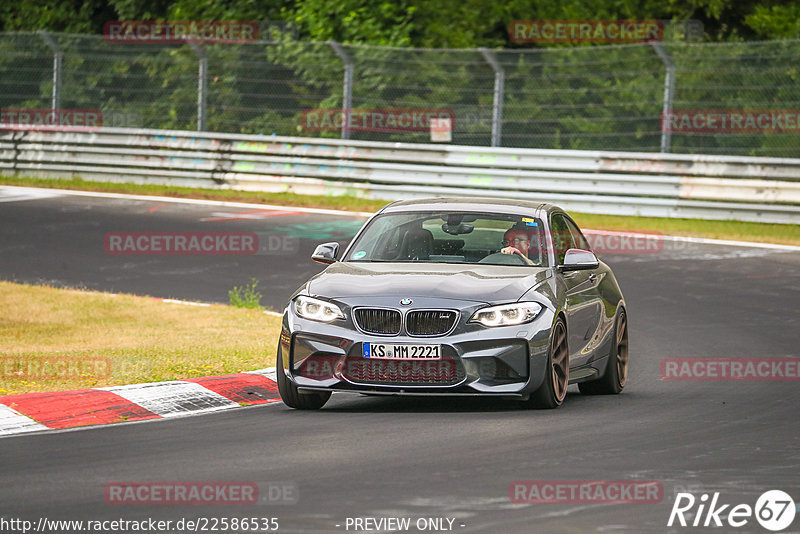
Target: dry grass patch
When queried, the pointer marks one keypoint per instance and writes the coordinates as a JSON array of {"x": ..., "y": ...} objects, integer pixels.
[{"x": 56, "y": 339}]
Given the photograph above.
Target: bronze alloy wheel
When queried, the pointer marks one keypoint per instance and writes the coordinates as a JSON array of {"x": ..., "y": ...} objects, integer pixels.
[
  {"x": 553, "y": 390},
  {"x": 622, "y": 349},
  {"x": 559, "y": 362},
  {"x": 616, "y": 370}
]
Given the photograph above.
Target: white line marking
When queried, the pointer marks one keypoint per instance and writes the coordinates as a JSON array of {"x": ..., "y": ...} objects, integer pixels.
[
  {"x": 219, "y": 216},
  {"x": 195, "y": 201},
  {"x": 174, "y": 398},
  {"x": 750, "y": 244},
  {"x": 196, "y": 303},
  {"x": 700, "y": 240},
  {"x": 186, "y": 302},
  {"x": 13, "y": 422},
  {"x": 14, "y": 194}
]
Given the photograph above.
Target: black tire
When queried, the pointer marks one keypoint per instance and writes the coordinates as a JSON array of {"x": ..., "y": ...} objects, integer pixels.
[
  {"x": 293, "y": 398},
  {"x": 616, "y": 374},
  {"x": 553, "y": 391}
]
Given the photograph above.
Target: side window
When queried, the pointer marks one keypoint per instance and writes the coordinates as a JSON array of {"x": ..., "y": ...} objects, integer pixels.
[
  {"x": 562, "y": 238},
  {"x": 577, "y": 237}
]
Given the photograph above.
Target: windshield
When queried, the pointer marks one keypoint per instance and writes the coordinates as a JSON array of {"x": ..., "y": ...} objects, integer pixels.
[{"x": 452, "y": 237}]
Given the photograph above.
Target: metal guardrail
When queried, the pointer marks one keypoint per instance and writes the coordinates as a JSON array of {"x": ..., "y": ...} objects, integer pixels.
[{"x": 623, "y": 183}]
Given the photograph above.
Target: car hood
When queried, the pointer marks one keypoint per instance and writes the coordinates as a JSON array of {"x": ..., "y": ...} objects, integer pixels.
[{"x": 478, "y": 283}]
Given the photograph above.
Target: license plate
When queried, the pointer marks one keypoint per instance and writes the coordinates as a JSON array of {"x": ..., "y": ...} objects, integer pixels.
[{"x": 387, "y": 351}]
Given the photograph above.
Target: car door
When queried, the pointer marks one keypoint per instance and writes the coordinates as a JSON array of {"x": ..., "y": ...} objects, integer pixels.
[{"x": 583, "y": 304}]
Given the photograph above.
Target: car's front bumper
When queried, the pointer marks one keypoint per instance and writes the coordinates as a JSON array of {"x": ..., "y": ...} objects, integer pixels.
[{"x": 506, "y": 361}]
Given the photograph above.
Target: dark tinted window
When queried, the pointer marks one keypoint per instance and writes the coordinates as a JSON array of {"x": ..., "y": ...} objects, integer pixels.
[
  {"x": 577, "y": 237},
  {"x": 452, "y": 237},
  {"x": 562, "y": 237}
]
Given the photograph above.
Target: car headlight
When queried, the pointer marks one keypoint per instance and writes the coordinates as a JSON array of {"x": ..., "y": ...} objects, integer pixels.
[
  {"x": 317, "y": 310},
  {"x": 507, "y": 314}
]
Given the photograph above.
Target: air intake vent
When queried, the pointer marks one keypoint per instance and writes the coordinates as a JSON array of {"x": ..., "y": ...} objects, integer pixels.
[
  {"x": 430, "y": 322},
  {"x": 444, "y": 372},
  {"x": 378, "y": 321}
]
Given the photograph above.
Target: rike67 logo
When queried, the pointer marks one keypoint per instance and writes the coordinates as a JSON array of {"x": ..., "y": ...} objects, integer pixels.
[{"x": 774, "y": 510}]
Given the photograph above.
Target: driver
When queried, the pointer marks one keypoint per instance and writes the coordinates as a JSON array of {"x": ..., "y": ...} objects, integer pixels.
[{"x": 517, "y": 242}]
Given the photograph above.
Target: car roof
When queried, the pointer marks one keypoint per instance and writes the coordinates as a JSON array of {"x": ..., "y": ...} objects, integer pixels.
[{"x": 477, "y": 204}]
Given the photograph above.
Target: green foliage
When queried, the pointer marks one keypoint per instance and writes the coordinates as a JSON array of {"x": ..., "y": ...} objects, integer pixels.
[
  {"x": 74, "y": 16},
  {"x": 776, "y": 21},
  {"x": 246, "y": 296},
  {"x": 417, "y": 23},
  {"x": 387, "y": 23}
]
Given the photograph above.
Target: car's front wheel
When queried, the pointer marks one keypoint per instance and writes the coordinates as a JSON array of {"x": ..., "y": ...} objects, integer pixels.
[
  {"x": 553, "y": 390},
  {"x": 616, "y": 373},
  {"x": 291, "y": 396}
]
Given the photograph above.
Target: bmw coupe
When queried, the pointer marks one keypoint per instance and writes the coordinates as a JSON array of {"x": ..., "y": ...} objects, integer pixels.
[{"x": 457, "y": 296}]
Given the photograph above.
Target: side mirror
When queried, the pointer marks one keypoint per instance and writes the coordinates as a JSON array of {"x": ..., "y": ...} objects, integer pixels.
[
  {"x": 326, "y": 252},
  {"x": 579, "y": 260}
]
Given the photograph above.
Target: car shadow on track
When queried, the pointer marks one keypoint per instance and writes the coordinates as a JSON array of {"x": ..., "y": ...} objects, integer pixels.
[{"x": 355, "y": 403}]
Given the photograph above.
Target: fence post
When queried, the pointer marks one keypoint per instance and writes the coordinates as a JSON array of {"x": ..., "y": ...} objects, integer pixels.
[
  {"x": 669, "y": 92},
  {"x": 57, "y": 61},
  {"x": 347, "y": 90},
  {"x": 202, "y": 85},
  {"x": 499, "y": 90}
]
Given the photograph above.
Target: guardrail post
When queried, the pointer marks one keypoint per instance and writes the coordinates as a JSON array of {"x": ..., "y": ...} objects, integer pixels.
[
  {"x": 669, "y": 92},
  {"x": 347, "y": 89},
  {"x": 202, "y": 85},
  {"x": 58, "y": 56},
  {"x": 499, "y": 89}
]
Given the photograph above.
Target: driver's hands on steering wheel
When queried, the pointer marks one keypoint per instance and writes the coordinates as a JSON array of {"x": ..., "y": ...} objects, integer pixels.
[{"x": 511, "y": 250}]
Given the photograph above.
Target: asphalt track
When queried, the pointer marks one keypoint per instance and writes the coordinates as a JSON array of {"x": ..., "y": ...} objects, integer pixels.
[
  {"x": 454, "y": 458},
  {"x": 61, "y": 240}
]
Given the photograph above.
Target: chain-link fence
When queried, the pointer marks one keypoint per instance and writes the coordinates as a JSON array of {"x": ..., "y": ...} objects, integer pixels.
[{"x": 589, "y": 97}]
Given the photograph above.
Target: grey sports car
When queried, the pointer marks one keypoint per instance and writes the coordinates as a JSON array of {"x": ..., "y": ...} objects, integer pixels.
[{"x": 457, "y": 296}]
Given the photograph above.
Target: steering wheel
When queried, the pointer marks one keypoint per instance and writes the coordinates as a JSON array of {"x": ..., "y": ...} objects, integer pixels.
[{"x": 498, "y": 258}]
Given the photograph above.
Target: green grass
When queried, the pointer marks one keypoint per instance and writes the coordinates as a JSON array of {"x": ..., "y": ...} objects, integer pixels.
[
  {"x": 246, "y": 296},
  {"x": 788, "y": 234},
  {"x": 105, "y": 340}
]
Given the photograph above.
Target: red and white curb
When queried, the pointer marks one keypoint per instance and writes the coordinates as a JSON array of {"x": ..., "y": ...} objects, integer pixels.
[{"x": 32, "y": 412}]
